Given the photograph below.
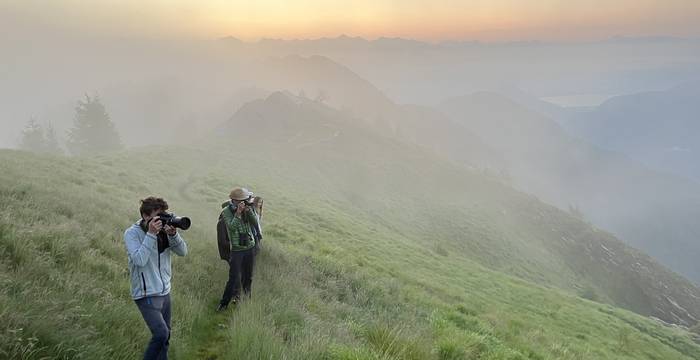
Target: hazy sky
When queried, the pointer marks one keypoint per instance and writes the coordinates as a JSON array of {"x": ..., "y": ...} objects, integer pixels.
[{"x": 432, "y": 20}]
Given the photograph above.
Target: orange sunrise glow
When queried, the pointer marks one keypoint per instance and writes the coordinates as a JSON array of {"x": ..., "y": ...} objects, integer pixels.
[{"x": 423, "y": 20}]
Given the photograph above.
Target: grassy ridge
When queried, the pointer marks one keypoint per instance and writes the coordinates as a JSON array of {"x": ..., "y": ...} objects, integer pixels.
[{"x": 334, "y": 281}]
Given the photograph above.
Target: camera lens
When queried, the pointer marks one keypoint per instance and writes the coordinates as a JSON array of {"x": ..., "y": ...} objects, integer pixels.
[{"x": 185, "y": 223}]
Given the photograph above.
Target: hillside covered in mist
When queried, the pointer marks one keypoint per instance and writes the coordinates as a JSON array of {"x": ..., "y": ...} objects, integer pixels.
[
  {"x": 468, "y": 267},
  {"x": 432, "y": 203}
]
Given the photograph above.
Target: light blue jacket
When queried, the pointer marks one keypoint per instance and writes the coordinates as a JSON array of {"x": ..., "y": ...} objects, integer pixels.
[{"x": 150, "y": 271}]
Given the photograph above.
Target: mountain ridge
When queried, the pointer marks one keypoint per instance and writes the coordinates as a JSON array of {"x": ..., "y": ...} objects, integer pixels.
[{"x": 310, "y": 127}]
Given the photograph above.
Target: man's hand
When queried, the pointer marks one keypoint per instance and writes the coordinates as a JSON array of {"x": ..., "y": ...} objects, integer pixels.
[
  {"x": 154, "y": 226},
  {"x": 240, "y": 208},
  {"x": 170, "y": 230}
]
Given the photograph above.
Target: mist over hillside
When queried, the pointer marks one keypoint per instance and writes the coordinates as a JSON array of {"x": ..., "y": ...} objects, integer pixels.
[
  {"x": 478, "y": 269},
  {"x": 428, "y": 73},
  {"x": 433, "y": 200},
  {"x": 651, "y": 210},
  {"x": 345, "y": 154},
  {"x": 659, "y": 129},
  {"x": 183, "y": 90},
  {"x": 197, "y": 79}
]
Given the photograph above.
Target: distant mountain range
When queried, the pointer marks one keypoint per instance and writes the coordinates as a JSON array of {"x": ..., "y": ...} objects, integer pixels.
[
  {"x": 193, "y": 80},
  {"x": 327, "y": 82},
  {"x": 649, "y": 210},
  {"x": 427, "y": 73},
  {"x": 487, "y": 214},
  {"x": 205, "y": 83},
  {"x": 399, "y": 42},
  {"x": 660, "y": 129}
]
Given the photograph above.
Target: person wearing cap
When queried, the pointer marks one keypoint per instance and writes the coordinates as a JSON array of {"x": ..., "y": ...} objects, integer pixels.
[{"x": 241, "y": 222}]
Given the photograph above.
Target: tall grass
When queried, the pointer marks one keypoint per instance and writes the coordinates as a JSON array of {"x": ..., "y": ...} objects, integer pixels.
[{"x": 332, "y": 282}]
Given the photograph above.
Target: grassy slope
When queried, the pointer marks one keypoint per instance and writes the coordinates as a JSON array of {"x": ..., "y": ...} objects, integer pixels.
[
  {"x": 545, "y": 160},
  {"x": 334, "y": 281},
  {"x": 422, "y": 197}
]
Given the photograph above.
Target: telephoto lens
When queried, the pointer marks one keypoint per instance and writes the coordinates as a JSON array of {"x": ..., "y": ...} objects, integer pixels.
[{"x": 175, "y": 221}]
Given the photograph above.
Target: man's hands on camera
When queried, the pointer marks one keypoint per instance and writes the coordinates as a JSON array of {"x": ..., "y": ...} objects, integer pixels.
[
  {"x": 170, "y": 230},
  {"x": 240, "y": 208},
  {"x": 154, "y": 226}
]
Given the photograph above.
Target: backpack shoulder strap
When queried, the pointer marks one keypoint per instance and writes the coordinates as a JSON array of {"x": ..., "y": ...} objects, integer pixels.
[{"x": 227, "y": 208}]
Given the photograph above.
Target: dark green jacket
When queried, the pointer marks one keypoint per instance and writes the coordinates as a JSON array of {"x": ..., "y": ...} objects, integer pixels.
[{"x": 236, "y": 226}]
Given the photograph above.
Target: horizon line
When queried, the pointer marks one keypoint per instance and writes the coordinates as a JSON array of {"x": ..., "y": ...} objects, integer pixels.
[{"x": 344, "y": 36}]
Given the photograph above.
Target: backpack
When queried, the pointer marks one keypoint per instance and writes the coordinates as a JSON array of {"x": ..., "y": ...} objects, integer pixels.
[
  {"x": 222, "y": 238},
  {"x": 258, "y": 211}
]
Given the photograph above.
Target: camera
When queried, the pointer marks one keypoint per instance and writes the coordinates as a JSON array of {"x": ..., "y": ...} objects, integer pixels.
[
  {"x": 247, "y": 202},
  {"x": 174, "y": 221}
]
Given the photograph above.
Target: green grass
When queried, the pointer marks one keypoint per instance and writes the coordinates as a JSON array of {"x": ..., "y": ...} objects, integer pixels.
[{"x": 341, "y": 276}]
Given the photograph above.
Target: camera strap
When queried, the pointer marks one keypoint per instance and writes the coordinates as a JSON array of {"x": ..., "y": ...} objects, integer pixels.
[{"x": 232, "y": 208}]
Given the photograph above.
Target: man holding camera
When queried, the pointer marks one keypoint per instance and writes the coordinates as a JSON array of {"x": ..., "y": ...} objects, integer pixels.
[
  {"x": 149, "y": 244},
  {"x": 243, "y": 232}
]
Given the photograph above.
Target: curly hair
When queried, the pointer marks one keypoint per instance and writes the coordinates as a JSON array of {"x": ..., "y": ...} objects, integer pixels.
[{"x": 151, "y": 203}]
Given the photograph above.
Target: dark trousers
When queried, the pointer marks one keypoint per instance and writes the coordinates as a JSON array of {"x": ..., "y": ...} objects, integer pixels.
[
  {"x": 156, "y": 312},
  {"x": 240, "y": 273}
]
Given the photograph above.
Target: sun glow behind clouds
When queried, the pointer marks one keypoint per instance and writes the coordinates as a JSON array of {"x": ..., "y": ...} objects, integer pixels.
[{"x": 426, "y": 20}]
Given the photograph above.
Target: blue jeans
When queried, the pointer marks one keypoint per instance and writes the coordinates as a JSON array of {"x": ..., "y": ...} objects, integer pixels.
[{"x": 156, "y": 312}]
